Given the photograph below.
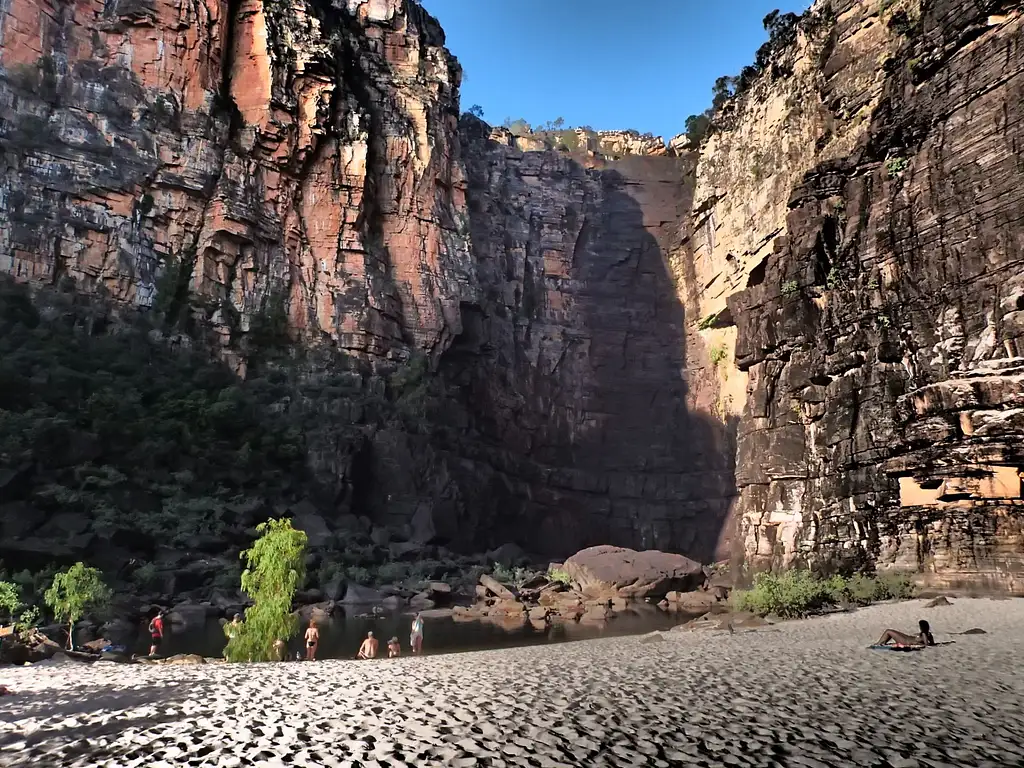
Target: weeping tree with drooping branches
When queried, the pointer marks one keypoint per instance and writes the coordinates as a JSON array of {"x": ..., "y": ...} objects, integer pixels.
[{"x": 275, "y": 567}]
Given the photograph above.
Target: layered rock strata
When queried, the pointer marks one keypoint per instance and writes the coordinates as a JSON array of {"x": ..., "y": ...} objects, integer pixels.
[
  {"x": 235, "y": 155},
  {"x": 224, "y": 162},
  {"x": 574, "y": 362},
  {"x": 882, "y": 333}
]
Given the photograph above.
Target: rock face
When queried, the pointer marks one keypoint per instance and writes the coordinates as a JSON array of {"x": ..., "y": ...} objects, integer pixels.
[
  {"x": 574, "y": 362},
  {"x": 607, "y": 571},
  {"x": 242, "y": 157},
  {"x": 882, "y": 334},
  {"x": 800, "y": 345}
]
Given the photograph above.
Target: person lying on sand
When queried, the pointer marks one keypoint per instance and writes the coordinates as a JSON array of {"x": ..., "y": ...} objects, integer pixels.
[
  {"x": 394, "y": 649},
  {"x": 903, "y": 640},
  {"x": 368, "y": 650},
  {"x": 312, "y": 640}
]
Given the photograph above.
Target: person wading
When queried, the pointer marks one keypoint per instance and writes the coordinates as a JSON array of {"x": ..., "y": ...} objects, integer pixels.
[
  {"x": 156, "y": 633},
  {"x": 312, "y": 640},
  {"x": 231, "y": 630},
  {"x": 416, "y": 636},
  {"x": 368, "y": 650}
]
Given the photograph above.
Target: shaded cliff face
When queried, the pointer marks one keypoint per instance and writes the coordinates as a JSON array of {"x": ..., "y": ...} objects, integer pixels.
[
  {"x": 573, "y": 365},
  {"x": 882, "y": 334},
  {"x": 237, "y": 158}
]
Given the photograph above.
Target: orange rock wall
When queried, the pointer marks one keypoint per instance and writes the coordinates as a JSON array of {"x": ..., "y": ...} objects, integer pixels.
[{"x": 274, "y": 149}]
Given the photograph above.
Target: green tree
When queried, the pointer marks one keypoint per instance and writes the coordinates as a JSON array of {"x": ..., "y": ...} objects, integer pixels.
[
  {"x": 10, "y": 599},
  {"x": 697, "y": 128},
  {"x": 275, "y": 566},
  {"x": 477, "y": 111},
  {"x": 74, "y": 591}
]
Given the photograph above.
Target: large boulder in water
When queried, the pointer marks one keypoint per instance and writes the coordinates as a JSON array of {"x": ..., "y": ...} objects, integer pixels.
[{"x": 606, "y": 571}]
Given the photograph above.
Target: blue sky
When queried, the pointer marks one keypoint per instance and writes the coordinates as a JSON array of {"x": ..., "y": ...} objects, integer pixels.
[{"x": 603, "y": 63}]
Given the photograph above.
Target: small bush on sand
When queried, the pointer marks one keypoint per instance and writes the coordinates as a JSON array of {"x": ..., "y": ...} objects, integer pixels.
[
  {"x": 790, "y": 595},
  {"x": 275, "y": 567},
  {"x": 894, "y": 586},
  {"x": 798, "y": 593}
]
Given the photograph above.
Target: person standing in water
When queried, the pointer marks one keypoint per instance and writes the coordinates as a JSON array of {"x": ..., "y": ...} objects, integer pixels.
[
  {"x": 231, "y": 630},
  {"x": 280, "y": 649},
  {"x": 416, "y": 636},
  {"x": 901, "y": 639},
  {"x": 312, "y": 640},
  {"x": 156, "y": 633},
  {"x": 368, "y": 650}
]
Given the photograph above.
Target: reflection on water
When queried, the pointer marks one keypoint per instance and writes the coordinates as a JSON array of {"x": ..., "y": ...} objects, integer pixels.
[{"x": 341, "y": 635}]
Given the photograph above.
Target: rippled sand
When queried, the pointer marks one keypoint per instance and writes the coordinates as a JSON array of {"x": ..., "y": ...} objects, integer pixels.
[{"x": 805, "y": 693}]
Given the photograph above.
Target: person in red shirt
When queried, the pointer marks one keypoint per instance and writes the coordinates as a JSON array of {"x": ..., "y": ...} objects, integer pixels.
[{"x": 156, "y": 632}]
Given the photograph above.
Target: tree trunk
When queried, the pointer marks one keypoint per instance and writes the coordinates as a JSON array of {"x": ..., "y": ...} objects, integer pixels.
[{"x": 71, "y": 628}]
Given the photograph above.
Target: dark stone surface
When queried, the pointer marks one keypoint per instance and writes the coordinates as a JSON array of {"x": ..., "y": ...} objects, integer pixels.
[{"x": 899, "y": 355}]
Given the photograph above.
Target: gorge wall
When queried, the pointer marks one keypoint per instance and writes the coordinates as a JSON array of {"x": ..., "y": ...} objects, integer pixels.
[
  {"x": 879, "y": 320},
  {"x": 799, "y": 344}
]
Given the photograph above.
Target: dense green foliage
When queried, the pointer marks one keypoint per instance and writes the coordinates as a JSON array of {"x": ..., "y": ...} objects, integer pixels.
[
  {"x": 151, "y": 444},
  {"x": 275, "y": 567},
  {"x": 73, "y": 592},
  {"x": 10, "y": 599},
  {"x": 797, "y": 593}
]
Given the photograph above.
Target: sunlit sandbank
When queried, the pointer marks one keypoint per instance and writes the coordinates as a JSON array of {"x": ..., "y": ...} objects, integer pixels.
[{"x": 809, "y": 689}]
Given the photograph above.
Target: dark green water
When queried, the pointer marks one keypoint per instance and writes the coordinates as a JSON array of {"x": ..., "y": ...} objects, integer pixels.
[{"x": 341, "y": 635}]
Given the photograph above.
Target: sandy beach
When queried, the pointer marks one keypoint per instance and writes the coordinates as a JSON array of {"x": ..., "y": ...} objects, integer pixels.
[{"x": 806, "y": 693}]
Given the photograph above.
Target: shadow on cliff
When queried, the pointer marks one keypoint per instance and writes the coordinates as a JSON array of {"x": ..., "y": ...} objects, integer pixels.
[{"x": 613, "y": 454}]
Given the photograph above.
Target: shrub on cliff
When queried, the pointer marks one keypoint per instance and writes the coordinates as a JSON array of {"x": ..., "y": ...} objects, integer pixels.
[
  {"x": 275, "y": 567},
  {"x": 75, "y": 591}
]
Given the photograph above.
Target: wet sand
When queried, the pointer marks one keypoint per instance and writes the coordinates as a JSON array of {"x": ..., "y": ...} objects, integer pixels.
[{"x": 805, "y": 693}]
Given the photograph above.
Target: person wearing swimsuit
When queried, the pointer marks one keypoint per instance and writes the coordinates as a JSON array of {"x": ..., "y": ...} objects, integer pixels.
[
  {"x": 368, "y": 650},
  {"x": 312, "y": 640},
  {"x": 394, "y": 649},
  {"x": 156, "y": 633},
  {"x": 903, "y": 640}
]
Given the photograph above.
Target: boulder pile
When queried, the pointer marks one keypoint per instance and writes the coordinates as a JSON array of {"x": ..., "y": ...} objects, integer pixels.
[{"x": 593, "y": 586}]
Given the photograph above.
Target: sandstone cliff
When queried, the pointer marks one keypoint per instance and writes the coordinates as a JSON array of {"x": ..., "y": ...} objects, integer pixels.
[
  {"x": 233, "y": 155},
  {"x": 798, "y": 345},
  {"x": 878, "y": 313}
]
